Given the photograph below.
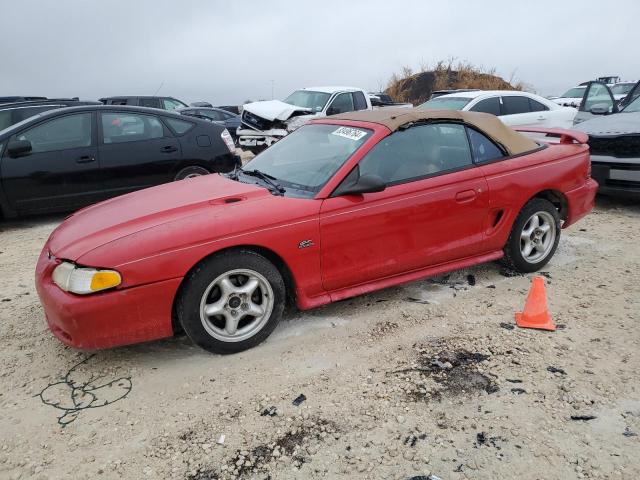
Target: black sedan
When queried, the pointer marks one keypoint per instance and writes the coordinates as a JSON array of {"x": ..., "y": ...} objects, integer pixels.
[
  {"x": 68, "y": 158},
  {"x": 217, "y": 115}
]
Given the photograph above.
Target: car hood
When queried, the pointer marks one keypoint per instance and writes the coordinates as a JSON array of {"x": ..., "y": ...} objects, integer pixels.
[
  {"x": 127, "y": 215},
  {"x": 274, "y": 109},
  {"x": 609, "y": 125}
]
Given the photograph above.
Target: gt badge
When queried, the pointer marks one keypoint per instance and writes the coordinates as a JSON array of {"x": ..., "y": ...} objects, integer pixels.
[{"x": 306, "y": 243}]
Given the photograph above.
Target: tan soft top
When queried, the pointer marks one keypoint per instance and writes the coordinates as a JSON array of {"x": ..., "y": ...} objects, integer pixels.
[{"x": 394, "y": 118}]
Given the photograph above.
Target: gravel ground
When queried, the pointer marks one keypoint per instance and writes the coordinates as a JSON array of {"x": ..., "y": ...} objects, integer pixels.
[{"x": 426, "y": 378}]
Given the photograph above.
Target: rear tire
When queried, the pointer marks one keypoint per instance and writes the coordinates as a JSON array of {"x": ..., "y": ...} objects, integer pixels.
[
  {"x": 534, "y": 237},
  {"x": 191, "y": 172},
  {"x": 231, "y": 302}
]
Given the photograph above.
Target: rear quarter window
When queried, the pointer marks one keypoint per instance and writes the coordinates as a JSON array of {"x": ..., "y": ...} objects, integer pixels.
[{"x": 178, "y": 126}]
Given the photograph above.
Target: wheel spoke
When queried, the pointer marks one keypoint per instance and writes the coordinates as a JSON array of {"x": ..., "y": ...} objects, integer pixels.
[
  {"x": 545, "y": 227},
  {"x": 226, "y": 286},
  {"x": 231, "y": 324},
  {"x": 534, "y": 222},
  {"x": 526, "y": 235},
  {"x": 216, "y": 308},
  {"x": 248, "y": 287},
  {"x": 254, "y": 310},
  {"x": 528, "y": 247}
]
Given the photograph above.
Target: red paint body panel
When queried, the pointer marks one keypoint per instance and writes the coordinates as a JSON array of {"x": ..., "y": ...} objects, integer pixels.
[
  {"x": 359, "y": 243},
  {"x": 109, "y": 319},
  {"x": 403, "y": 228}
]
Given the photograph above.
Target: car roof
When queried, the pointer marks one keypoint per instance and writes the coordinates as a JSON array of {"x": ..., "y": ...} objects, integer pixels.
[
  {"x": 331, "y": 89},
  {"x": 457, "y": 90},
  {"x": 104, "y": 108},
  {"x": 489, "y": 93},
  {"x": 394, "y": 118},
  {"x": 49, "y": 101},
  {"x": 136, "y": 96}
]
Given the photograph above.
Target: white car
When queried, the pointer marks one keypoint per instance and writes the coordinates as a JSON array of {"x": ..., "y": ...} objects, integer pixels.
[
  {"x": 512, "y": 106},
  {"x": 621, "y": 89},
  {"x": 266, "y": 122},
  {"x": 572, "y": 97}
]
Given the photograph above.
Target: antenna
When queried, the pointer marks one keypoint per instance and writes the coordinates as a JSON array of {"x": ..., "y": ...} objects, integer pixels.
[{"x": 156, "y": 92}]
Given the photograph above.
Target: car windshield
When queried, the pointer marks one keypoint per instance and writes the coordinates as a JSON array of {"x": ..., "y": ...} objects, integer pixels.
[
  {"x": 622, "y": 88},
  {"x": 633, "y": 106},
  {"x": 445, "y": 102},
  {"x": 306, "y": 159},
  {"x": 575, "y": 92},
  {"x": 308, "y": 99}
]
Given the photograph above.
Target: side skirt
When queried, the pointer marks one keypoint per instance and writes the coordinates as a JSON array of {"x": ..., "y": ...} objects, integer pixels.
[{"x": 414, "y": 275}]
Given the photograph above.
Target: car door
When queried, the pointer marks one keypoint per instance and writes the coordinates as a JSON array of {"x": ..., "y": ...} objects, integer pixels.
[
  {"x": 430, "y": 213},
  {"x": 516, "y": 110},
  {"x": 150, "y": 102},
  {"x": 630, "y": 97},
  {"x": 342, "y": 103},
  {"x": 60, "y": 172},
  {"x": 597, "y": 98},
  {"x": 213, "y": 115},
  {"x": 491, "y": 105},
  {"x": 136, "y": 151}
]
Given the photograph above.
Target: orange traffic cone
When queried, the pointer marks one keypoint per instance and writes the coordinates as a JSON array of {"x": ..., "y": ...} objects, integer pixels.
[{"x": 536, "y": 314}]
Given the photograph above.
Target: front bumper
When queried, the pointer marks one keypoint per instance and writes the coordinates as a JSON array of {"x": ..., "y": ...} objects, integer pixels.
[
  {"x": 580, "y": 201},
  {"x": 259, "y": 138},
  {"x": 617, "y": 177},
  {"x": 108, "y": 319}
]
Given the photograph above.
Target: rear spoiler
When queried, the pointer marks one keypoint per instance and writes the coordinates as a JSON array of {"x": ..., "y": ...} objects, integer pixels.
[{"x": 566, "y": 136}]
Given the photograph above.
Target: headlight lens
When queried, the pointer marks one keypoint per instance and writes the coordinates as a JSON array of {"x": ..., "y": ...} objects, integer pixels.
[{"x": 82, "y": 281}]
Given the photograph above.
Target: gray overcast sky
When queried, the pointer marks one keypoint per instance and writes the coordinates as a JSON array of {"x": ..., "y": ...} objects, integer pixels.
[{"x": 227, "y": 52}]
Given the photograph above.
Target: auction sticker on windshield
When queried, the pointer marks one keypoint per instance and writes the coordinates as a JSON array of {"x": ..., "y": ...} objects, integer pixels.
[{"x": 350, "y": 133}]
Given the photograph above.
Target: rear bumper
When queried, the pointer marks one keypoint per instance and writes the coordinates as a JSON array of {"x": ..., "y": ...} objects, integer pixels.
[
  {"x": 581, "y": 201},
  {"x": 109, "y": 319}
]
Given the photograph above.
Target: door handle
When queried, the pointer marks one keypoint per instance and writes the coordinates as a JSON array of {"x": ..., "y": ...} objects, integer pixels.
[
  {"x": 542, "y": 117},
  {"x": 465, "y": 196},
  {"x": 85, "y": 159},
  {"x": 168, "y": 149}
]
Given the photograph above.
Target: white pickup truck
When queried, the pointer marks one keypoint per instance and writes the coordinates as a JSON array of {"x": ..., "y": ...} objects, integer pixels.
[{"x": 264, "y": 123}]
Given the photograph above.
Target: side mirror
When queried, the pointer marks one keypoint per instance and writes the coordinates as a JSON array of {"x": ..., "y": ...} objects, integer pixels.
[
  {"x": 17, "y": 148},
  {"x": 600, "y": 109},
  {"x": 332, "y": 111},
  {"x": 364, "y": 184}
]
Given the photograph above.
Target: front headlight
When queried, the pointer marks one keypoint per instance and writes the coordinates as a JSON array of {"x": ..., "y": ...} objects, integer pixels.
[{"x": 82, "y": 281}]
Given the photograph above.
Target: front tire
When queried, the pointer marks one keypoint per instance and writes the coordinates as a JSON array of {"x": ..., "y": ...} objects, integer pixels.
[
  {"x": 191, "y": 172},
  {"x": 231, "y": 302},
  {"x": 534, "y": 237}
]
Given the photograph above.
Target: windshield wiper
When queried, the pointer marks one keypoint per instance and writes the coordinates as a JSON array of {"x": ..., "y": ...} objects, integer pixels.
[{"x": 270, "y": 179}]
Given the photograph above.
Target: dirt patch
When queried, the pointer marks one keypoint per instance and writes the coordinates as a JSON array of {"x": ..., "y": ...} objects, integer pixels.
[
  {"x": 294, "y": 447},
  {"x": 453, "y": 371}
]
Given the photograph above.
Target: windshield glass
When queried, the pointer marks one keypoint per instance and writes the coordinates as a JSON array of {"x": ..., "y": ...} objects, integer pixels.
[
  {"x": 445, "y": 103},
  {"x": 308, "y": 99},
  {"x": 622, "y": 88},
  {"x": 633, "y": 106},
  {"x": 307, "y": 158},
  {"x": 575, "y": 92}
]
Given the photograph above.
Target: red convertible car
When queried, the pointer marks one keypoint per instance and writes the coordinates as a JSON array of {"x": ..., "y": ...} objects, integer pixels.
[{"x": 345, "y": 205}]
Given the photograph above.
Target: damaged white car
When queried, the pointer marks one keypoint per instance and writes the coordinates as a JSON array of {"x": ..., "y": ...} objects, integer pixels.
[{"x": 264, "y": 123}]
